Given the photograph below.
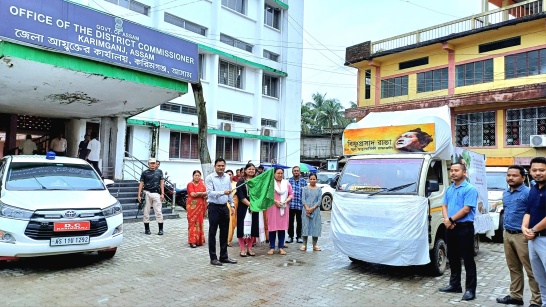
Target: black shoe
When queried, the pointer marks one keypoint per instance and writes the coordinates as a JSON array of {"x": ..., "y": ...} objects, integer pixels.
[
  {"x": 450, "y": 288},
  {"x": 148, "y": 232},
  {"x": 299, "y": 240},
  {"x": 509, "y": 300},
  {"x": 290, "y": 240},
  {"x": 216, "y": 262},
  {"x": 534, "y": 305},
  {"x": 160, "y": 233},
  {"x": 228, "y": 260},
  {"x": 469, "y": 295}
]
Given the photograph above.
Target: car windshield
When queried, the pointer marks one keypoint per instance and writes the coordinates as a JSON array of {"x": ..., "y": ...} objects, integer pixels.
[
  {"x": 323, "y": 178},
  {"x": 31, "y": 176},
  {"x": 374, "y": 175},
  {"x": 496, "y": 181}
]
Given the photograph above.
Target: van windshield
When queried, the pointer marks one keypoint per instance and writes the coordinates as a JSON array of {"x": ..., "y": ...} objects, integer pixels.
[
  {"x": 496, "y": 181},
  {"x": 31, "y": 176},
  {"x": 374, "y": 175}
]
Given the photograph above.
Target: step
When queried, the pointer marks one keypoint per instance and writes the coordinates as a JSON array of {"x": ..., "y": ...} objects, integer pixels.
[
  {"x": 123, "y": 189},
  {"x": 124, "y": 194}
]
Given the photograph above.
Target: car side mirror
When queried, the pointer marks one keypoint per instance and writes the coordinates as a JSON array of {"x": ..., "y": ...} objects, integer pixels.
[
  {"x": 432, "y": 186},
  {"x": 333, "y": 182},
  {"x": 108, "y": 183}
]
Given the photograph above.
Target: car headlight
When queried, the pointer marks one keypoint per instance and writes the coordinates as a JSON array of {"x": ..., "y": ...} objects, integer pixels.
[
  {"x": 14, "y": 212},
  {"x": 112, "y": 210}
]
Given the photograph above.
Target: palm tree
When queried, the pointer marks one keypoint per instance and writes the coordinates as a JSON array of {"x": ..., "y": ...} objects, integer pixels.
[
  {"x": 317, "y": 103},
  {"x": 307, "y": 118},
  {"x": 330, "y": 115}
]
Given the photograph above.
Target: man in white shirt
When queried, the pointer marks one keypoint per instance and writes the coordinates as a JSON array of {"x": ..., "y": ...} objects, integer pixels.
[
  {"x": 28, "y": 147},
  {"x": 58, "y": 145},
  {"x": 93, "y": 155}
]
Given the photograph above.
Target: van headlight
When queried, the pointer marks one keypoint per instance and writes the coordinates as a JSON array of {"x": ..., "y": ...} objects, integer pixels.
[
  {"x": 112, "y": 210},
  {"x": 14, "y": 212}
]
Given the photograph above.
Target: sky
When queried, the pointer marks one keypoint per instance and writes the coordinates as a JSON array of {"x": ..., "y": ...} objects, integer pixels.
[{"x": 330, "y": 26}]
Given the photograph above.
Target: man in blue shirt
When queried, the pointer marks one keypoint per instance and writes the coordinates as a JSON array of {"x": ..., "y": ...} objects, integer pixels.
[
  {"x": 534, "y": 224},
  {"x": 458, "y": 209},
  {"x": 219, "y": 193},
  {"x": 514, "y": 200},
  {"x": 296, "y": 205}
]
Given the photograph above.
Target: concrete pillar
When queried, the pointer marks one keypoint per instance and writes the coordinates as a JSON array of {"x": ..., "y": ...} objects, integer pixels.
[
  {"x": 11, "y": 135},
  {"x": 75, "y": 132},
  {"x": 112, "y": 140}
]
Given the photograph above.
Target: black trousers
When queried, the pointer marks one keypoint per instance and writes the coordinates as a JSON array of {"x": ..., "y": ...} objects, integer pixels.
[
  {"x": 96, "y": 166},
  {"x": 460, "y": 244},
  {"x": 218, "y": 217},
  {"x": 297, "y": 214}
]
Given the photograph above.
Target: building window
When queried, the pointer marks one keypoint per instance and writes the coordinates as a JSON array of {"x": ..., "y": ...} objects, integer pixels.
[
  {"x": 525, "y": 64},
  {"x": 178, "y": 108},
  {"x": 182, "y": 23},
  {"x": 133, "y": 5},
  {"x": 394, "y": 87},
  {"x": 269, "y": 123},
  {"x": 270, "y": 55},
  {"x": 183, "y": 146},
  {"x": 474, "y": 73},
  {"x": 233, "y": 117},
  {"x": 368, "y": 84},
  {"x": 228, "y": 148},
  {"x": 270, "y": 86},
  {"x": 475, "y": 129},
  {"x": 235, "y": 43},
  {"x": 272, "y": 17},
  {"x": 522, "y": 123},
  {"x": 268, "y": 152},
  {"x": 236, "y": 5},
  {"x": 202, "y": 66},
  {"x": 432, "y": 80},
  {"x": 231, "y": 74}
]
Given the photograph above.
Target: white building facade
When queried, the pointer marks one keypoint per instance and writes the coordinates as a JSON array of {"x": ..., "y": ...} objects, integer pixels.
[{"x": 250, "y": 66}]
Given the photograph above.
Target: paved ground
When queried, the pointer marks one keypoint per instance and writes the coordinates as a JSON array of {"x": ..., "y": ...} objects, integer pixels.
[{"x": 164, "y": 271}]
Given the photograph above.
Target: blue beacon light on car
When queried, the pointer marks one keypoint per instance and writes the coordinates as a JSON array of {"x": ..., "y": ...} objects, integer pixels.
[{"x": 50, "y": 155}]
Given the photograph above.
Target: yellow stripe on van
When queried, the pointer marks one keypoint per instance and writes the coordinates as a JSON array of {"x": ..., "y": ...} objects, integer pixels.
[{"x": 436, "y": 209}]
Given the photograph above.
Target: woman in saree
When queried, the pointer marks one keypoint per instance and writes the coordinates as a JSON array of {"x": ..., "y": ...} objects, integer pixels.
[
  {"x": 247, "y": 230},
  {"x": 196, "y": 208},
  {"x": 277, "y": 215},
  {"x": 310, "y": 217}
]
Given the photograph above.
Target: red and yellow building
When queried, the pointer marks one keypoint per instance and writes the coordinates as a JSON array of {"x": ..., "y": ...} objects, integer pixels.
[{"x": 489, "y": 68}]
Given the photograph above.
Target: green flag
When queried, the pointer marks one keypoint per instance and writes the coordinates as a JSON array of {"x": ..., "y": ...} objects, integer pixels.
[{"x": 261, "y": 191}]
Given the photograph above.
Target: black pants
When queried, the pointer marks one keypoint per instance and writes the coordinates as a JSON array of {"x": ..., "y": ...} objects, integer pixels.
[
  {"x": 294, "y": 213},
  {"x": 218, "y": 217},
  {"x": 96, "y": 166},
  {"x": 460, "y": 244}
]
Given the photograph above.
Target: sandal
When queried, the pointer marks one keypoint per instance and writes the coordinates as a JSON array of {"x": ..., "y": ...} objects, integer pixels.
[
  {"x": 281, "y": 251},
  {"x": 251, "y": 253},
  {"x": 193, "y": 245},
  {"x": 271, "y": 251},
  {"x": 316, "y": 248},
  {"x": 242, "y": 254},
  {"x": 303, "y": 248}
]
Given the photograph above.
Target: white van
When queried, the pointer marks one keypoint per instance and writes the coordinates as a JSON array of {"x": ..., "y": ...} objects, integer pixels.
[{"x": 55, "y": 205}]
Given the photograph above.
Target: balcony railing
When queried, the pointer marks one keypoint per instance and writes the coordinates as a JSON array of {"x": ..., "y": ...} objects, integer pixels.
[{"x": 515, "y": 11}]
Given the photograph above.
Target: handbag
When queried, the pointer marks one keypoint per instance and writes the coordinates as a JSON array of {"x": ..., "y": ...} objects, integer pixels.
[{"x": 247, "y": 225}]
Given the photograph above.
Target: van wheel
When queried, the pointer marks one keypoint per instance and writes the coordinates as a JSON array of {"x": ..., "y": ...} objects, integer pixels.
[
  {"x": 498, "y": 237},
  {"x": 326, "y": 204},
  {"x": 107, "y": 254},
  {"x": 438, "y": 258},
  {"x": 476, "y": 245}
]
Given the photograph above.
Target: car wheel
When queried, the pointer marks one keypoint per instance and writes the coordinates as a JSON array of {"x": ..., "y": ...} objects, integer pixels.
[
  {"x": 476, "y": 245},
  {"x": 326, "y": 204},
  {"x": 498, "y": 237},
  {"x": 438, "y": 258},
  {"x": 107, "y": 254}
]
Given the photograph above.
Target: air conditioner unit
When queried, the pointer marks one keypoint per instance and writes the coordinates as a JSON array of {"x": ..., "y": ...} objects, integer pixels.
[
  {"x": 266, "y": 132},
  {"x": 538, "y": 140},
  {"x": 225, "y": 126}
]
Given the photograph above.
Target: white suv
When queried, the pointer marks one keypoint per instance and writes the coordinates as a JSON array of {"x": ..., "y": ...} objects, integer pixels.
[
  {"x": 55, "y": 205},
  {"x": 323, "y": 180}
]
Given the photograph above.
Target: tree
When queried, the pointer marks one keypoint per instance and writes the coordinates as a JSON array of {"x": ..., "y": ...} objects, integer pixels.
[
  {"x": 307, "y": 116},
  {"x": 200, "y": 104},
  {"x": 331, "y": 115}
]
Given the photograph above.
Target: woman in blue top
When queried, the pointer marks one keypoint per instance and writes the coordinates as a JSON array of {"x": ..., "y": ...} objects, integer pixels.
[{"x": 311, "y": 223}]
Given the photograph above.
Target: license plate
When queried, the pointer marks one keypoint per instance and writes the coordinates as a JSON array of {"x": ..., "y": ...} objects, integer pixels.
[
  {"x": 69, "y": 241},
  {"x": 72, "y": 226}
]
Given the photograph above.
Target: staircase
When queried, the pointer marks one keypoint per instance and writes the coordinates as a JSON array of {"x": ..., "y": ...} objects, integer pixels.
[{"x": 126, "y": 192}]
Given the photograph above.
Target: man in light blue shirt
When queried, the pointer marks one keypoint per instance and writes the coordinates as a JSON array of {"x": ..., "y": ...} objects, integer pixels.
[
  {"x": 458, "y": 209},
  {"x": 219, "y": 193}
]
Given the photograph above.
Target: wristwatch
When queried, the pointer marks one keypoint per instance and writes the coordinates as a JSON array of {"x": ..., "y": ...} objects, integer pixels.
[{"x": 533, "y": 230}]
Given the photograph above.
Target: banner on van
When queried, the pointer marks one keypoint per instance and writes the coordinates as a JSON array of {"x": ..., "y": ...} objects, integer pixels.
[{"x": 413, "y": 138}]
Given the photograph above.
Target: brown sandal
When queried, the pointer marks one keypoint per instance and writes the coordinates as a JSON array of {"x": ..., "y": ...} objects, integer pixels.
[
  {"x": 251, "y": 253},
  {"x": 316, "y": 248},
  {"x": 242, "y": 254},
  {"x": 281, "y": 251},
  {"x": 271, "y": 252},
  {"x": 303, "y": 248}
]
